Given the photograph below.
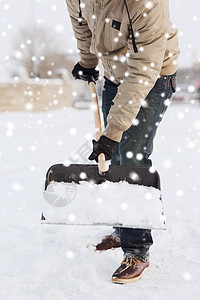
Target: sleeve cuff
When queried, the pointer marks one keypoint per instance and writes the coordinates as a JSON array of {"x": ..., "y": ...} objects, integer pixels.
[
  {"x": 113, "y": 132},
  {"x": 92, "y": 62}
]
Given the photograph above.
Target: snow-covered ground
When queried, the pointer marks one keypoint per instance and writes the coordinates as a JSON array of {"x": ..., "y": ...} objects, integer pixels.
[{"x": 53, "y": 262}]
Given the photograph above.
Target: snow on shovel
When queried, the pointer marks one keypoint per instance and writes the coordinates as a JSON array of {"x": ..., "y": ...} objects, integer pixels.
[{"x": 81, "y": 194}]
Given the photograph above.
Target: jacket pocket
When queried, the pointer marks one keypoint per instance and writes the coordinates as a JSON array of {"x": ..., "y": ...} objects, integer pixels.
[{"x": 114, "y": 39}]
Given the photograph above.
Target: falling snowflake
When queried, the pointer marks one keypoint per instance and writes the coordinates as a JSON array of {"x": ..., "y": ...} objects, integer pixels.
[
  {"x": 70, "y": 254},
  {"x": 167, "y": 164},
  {"x": 148, "y": 196},
  {"x": 180, "y": 115},
  {"x": 135, "y": 122},
  {"x": 139, "y": 156},
  {"x": 179, "y": 193},
  {"x": 17, "y": 187},
  {"x": 6, "y": 7},
  {"x": 99, "y": 200},
  {"x": 60, "y": 143},
  {"x": 33, "y": 148},
  {"x": 152, "y": 170},
  {"x": 124, "y": 206},
  {"x": 32, "y": 168},
  {"x": 191, "y": 88},
  {"x": 72, "y": 218},
  {"x": 54, "y": 8},
  {"x": 83, "y": 175},
  {"x": 134, "y": 176},
  {"x": 59, "y": 28},
  {"x": 187, "y": 276},
  {"x": 129, "y": 154}
]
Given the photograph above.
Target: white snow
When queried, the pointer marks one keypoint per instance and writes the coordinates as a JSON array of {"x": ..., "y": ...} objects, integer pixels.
[
  {"x": 121, "y": 204},
  {"x": 55, "y": 262}
]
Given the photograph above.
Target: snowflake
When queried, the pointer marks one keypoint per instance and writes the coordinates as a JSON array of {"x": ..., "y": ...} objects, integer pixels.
[
  {"x": 59, "y": 28},
  {"x": 167, "y": 164},
  {"x": 129, "y": 154},
  {"x": 139, "y": 156},
  {"x": 179, "y": 193},
  {"x": 60, "y": 143},
  {"x": 191, "y": 88},
  {"x": 99, "y": 200},
  {"x": 152, "y": 170},
  {"x": 135, "y": 122},
  {"x": 6, "y": 7},
  {"x": 124, "y": 206},
  {"x": 17, "y": 187},
  {"x": 54, "y": 8},
  {"x": 148, "y": 4},
  {"x": 73, "y": 131},
  {"x": 70, "y": 254},
  {"x": 134, "y": 176},
  {"x": 191, "y": 145},
  {"x": 82, "y": 5},
  {"x": 180, "y": 115},
  {"x": 9, "y": 133},
  {"x": 32, "y": 168},
  {"x": 148, "y": 196},
  {"x": 72, "y": 218},
  {"x": 33, "y": 148},
  {"x": 187, "y": 276},
  {"x": 49, "y": 73}
]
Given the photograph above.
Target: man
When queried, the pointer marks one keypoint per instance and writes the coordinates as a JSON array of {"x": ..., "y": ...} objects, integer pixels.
[{"x": 138, "y": 46}]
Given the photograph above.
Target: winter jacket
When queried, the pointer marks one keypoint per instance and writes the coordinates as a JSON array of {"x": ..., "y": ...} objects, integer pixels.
[{"x": 136, "y": 42}]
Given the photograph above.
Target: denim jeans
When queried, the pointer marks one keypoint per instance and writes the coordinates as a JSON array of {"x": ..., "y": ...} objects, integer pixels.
[{"x": 138, "y": 140}]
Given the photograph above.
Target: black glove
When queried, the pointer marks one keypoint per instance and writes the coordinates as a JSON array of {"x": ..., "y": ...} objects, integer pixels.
[
  {"x": 103, "y": 145},
  {"x": 85, "y": 74}
]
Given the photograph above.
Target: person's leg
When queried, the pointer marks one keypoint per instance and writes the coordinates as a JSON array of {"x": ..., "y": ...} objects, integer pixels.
[
  {"x": 135, "y": 148},
  {"x": 109, "y": 92}
]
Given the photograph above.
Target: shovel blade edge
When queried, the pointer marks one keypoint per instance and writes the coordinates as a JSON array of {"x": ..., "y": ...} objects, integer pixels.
[{"x": 141, "y": 175}]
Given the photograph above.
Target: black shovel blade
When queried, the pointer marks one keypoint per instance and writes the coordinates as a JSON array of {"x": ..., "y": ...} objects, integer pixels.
[{"x": 142, "y": 175}]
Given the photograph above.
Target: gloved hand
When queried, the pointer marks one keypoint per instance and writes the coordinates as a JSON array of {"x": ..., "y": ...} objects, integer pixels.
[
  {"x": 85, "y": 74},
  {"x": 103, "y": 145}
]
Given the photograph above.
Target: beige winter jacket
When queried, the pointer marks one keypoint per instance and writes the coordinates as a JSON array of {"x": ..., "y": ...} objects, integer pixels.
[{"x": 105, "y": 34}]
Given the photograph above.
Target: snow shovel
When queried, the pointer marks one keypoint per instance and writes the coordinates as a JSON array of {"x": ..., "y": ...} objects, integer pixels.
[{"x": 88, "y": 194}]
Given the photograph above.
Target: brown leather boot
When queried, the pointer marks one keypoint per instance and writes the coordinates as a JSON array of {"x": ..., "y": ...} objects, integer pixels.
[
  {"x": 131, "y": 270},
  {"x": 109, "y": 242}
]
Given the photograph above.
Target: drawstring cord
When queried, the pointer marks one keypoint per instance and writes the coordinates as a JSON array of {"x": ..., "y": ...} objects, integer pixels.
[
  {"x": 80, "y": 14},
  {"x": 130, "y": 23},
  {"x": 131, "y": 29}
]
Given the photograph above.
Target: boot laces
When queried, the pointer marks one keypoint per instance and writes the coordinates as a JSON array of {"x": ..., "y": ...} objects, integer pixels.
[
  {"x": 130, "y": 261},
  {"x": 110, "y": 236}
]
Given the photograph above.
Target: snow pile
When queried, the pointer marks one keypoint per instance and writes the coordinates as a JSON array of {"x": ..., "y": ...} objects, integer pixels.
[{"x": 104, "y": 204}]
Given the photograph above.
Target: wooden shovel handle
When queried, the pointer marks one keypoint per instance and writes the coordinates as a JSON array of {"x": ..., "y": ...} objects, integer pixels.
[{"x": 97, "y": 121}]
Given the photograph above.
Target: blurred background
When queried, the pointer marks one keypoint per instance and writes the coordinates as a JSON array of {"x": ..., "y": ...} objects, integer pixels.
[{"x": 38, "y": 51}]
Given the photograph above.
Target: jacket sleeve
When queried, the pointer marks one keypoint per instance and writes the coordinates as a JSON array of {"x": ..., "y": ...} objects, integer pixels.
[
  {"x": 83, "y": 36},
  {"x": 143, "y": 68}
]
